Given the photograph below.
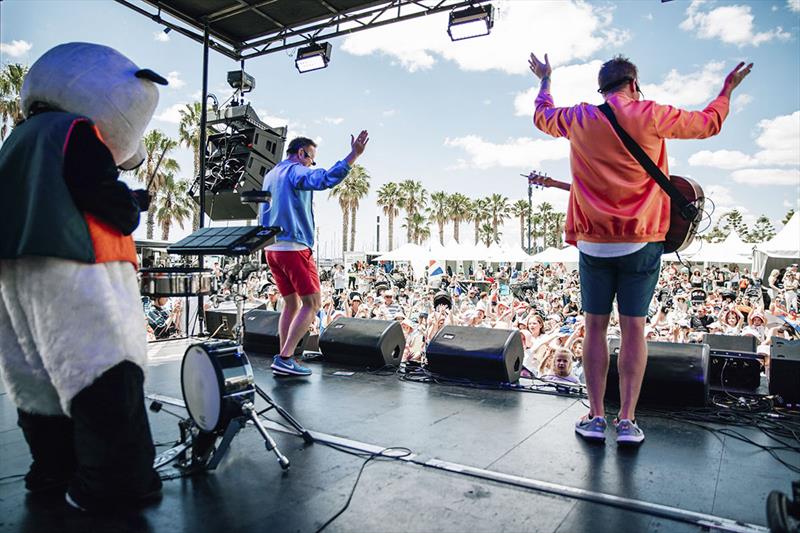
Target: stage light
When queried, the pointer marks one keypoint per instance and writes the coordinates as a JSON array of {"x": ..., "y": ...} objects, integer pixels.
[
  {"x": 239, "y": 79},
  {"x": 473, "y": 21},
  {"x": 313, "y": 57}
]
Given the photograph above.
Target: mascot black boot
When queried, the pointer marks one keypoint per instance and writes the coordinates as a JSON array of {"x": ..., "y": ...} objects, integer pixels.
[
  {"x": 73, "y": 343},
  {"x": 51, "y": 442},
  {"x": 113, "y": 443}
]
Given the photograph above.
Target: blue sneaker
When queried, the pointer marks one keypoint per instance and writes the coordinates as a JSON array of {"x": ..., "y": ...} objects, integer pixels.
[
  {"x": 628, "y": 432},
  {"x": 591, "y": 428},
  {"x": 288, "y": 367}
]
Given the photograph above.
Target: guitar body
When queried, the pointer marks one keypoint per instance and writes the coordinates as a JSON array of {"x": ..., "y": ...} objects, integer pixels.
[{"x": 681, "y": 231}]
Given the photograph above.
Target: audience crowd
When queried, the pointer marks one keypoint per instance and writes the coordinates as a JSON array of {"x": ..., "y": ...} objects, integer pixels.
[{"x": 541, "y": 302}]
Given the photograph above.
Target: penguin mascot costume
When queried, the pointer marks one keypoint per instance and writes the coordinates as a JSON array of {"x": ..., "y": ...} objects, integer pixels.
[{"x": 72, "y": 330}]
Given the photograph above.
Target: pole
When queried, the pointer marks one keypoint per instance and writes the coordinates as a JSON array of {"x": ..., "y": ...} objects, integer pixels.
[
  {"x": 203, "y": 140},
  {"x": 530, "y": 209},
  {"x": 378, "y": 234}
]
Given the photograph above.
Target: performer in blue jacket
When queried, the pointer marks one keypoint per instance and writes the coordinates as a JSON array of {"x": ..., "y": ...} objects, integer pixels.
[{"x": 290, "y": 258}]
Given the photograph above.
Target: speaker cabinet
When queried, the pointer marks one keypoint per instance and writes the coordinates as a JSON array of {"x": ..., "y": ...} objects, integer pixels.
[
  {"x": 261, "y": 334},
  {"x": 733, "y": 364},
  {"x": 363, "y": 342},
  {"x": 784, "y": 369},
  {"x": 483, "y": 354},
  {"x": 730, "y": 343},
  {"x": 221, "y": 322},
  {"x": 676, "y": 374}
]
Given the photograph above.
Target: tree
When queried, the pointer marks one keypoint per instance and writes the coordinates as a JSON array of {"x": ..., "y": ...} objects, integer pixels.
[
  {"x": 389, "y": 198},
  {"x": 414, "y": 199},
  {"x": 172, "y": 203},
  {"x": 733, "y": 220},
  {"x": 359, "y": 188},
  {"x": 715, "y": 235},
  {"x": 189, "y": 136},
  {"x": 787, "y": 217},
  {"x": 459, "y": 211},
  {"x": 499, "y": 211},
  {"x": 486, "y": 233},
  {"x": 157, "y": 147},
  {"x": 340, "y": 192},
  {"x": 417, "y": 227},
  {"x": 11, "y": 78},
  {"x": 545, "y": 215},
  {"x": 520, "y": 209},
  {"x": 762, "y": 231},
  {"x": 536, "y": 221},
  {"x": 557, "y": 234},
  {"x": 439, "y": 211},
  {"x": 478, "y": 214}
]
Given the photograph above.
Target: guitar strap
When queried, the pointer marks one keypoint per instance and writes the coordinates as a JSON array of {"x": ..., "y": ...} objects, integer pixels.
[{"x": 687, "y": 209}]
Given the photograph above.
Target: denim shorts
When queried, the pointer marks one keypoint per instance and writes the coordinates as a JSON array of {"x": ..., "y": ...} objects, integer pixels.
[{"x": 632, "y": 278}]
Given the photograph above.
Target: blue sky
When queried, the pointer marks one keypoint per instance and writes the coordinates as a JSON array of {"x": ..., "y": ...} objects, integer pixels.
[{"x": 457, "y": 115}]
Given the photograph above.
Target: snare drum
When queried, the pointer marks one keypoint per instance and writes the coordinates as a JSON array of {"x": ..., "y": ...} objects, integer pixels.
[
  {"x": 175, "y": 281},
  {"x": 216, "y": 377}
]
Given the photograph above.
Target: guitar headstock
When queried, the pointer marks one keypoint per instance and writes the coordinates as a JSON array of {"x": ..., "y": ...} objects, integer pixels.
[{"x": 540, "y": 180}]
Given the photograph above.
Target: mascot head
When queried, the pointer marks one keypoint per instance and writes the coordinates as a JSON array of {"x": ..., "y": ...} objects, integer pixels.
[{"x": 99, "y": 83}]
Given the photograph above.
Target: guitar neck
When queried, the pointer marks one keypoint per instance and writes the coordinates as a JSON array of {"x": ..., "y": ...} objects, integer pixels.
[{"x": 563, "y": 185}]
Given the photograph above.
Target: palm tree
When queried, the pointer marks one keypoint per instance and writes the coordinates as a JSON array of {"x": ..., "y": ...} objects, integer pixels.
[
  {"x": 389, "y": 199},
  {"x": 479, "y": 213},
  {"x": 417, "y": 226},
  {"x": 459, "y": 211},
  {"x": 499, "y": 211},
  {"x": 486, "y": 233},
  {"x": 342, "y": 194},
  {"x": 439, "y": 211},
  {"x": 558, "y": 228},
  {"x": 189, "y": 136},
  {"x": 545, "y": 213},
  {"x": 172, "y": 203},
  {"x": 11, "y": 78},
  {"x": 536, "y": 220},
  {"x": 157, "y": 147},
  {"x": 414, "y": 200},
  {"x": 520, "y": 209},
  {"x": 359, "y": 188}
]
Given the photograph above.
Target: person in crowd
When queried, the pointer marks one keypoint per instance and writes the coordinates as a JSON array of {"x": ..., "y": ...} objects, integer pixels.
[
  {"x": 620, "y": 247},
  {"x": 291, "y": 184},
  {"x": 701, "y": 319},
  {"x": 274, "y": 299},
  {"x": 414, "y": 349},
  {"x": 561, "y": 368},
  {"x": 791, "y": 283},
  {"x": 163, "y": 317}
]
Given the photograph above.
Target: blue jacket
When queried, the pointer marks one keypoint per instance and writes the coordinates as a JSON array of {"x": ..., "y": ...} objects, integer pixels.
[{"x": 291, "y": 185}]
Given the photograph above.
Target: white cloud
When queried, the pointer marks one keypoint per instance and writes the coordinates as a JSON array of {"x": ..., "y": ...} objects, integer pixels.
[
  {"x": 523, "y": 152},
  {"x": 793, "y": 5},
  {"x": 780, "y": 140},
  {"x": 333, "y": 120},
  {"x": 508, "y": 46},
  {"x": 274, "y": 120},
  {"x": 730, "y": 24},
  {"x": 171, "y": 114},
  {"x": 721, "y": 196},
  {"x": 389, "y": 113},
  {"x": 725, "y": 159},
  {"x": 767, "y": 176},
  {"x": 690, "y": 89},
  {"x": 15, "y": 48},
  {"x": 649, "y": 16},
  {"x": 160, "y": 36},
  {"x": 175, "y": 81},
  {"x": 487, "y": 102},
  {"x": 740, "y": 102},
  {"x": 672, "y": 162},
  {"x": 571, "y": 85}
]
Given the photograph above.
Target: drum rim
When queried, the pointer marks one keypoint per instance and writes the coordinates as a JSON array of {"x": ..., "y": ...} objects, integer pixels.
[{"x": 220, "y": 383}]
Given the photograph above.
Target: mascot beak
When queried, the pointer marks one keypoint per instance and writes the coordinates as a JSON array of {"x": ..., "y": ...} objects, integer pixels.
[
  {"x": 136, "y": 159},
  {"x": 148, "y": 74}
]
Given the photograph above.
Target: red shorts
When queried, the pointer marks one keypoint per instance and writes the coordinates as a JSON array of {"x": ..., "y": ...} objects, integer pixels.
[{"x": 295, "y": 271}]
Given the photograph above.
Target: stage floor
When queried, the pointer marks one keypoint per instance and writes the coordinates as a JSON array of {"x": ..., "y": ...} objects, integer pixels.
[{"x": 526, "y": 435}]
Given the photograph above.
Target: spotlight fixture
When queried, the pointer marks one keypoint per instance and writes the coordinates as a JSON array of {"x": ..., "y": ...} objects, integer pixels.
[
  {"x": 313, "y": 57},
  {"x": 473, "y": 21},
  {"x": 239, "y": 79}
]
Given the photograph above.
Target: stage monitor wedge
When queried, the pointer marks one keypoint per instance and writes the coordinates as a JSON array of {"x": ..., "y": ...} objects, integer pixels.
[
  {"x": 363, "y": 342},
  {"x": 481, "y": 354}
]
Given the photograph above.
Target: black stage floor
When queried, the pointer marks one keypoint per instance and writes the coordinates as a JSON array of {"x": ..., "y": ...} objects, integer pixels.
[{"x": 525, "y": 435}]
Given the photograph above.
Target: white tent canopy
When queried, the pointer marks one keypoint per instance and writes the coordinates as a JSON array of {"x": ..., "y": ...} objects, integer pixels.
[
  {"x": 731, "y": 250},
  {"x": 555, "y": 255},
  {"x": 787, "y": 242}
]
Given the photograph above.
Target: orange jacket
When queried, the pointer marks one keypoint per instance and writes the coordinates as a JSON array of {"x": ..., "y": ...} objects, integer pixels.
[{"x": 613, "y": 199}]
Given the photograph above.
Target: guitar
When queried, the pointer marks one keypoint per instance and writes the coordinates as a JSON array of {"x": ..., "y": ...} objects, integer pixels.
[{"x": 681, "y": 231}]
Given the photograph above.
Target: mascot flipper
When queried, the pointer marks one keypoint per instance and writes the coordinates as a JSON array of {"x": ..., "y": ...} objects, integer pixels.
[{"x": 72, "y": 333}]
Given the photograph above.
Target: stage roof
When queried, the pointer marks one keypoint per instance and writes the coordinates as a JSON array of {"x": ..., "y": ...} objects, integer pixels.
[{"x": 242, "y": 29}]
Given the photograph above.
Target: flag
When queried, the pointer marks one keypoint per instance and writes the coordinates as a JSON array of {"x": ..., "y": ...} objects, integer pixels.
[{"x": 435, "y": 269}]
